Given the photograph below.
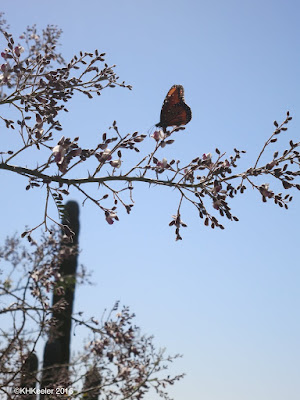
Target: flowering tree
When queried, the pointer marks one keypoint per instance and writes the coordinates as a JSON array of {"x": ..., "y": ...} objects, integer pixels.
[
  {"x": 37, "y": 83},
  {"x": 117, "y": 362}
]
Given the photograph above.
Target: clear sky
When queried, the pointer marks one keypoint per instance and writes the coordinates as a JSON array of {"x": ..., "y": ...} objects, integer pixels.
[{"x": 227, "y": 300}]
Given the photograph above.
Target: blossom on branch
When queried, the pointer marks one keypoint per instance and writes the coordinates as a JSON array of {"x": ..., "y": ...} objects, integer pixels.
[
  {"x": 116, "y": 163},
  {"x": 110, "y": 217},
  {"x": 158, "y": 135},
  {"x": 59, "y": 152},
  {"x": 19, "y": 50}
]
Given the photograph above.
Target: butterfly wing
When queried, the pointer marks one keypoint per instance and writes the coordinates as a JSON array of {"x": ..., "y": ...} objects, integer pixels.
[
  {"x": 179, "y": 114},
  {"x": 174, "y": 112}
]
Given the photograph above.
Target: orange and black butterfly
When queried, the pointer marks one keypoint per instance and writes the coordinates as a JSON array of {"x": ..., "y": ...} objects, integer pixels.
[{"x": 174, "y": 112}]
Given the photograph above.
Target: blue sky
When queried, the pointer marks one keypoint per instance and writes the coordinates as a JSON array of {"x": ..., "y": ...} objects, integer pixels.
[{"x": 227, "y": 300}]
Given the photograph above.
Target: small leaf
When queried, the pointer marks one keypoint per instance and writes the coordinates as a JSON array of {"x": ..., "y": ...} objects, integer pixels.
[{"x": 286, "y": 185}]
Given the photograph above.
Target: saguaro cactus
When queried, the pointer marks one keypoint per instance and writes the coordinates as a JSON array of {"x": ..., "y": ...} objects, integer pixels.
[
  {"x": 28, "y": 375},
  {"x": 92, "y": 380},
  {"x": 57, "y": 349}
]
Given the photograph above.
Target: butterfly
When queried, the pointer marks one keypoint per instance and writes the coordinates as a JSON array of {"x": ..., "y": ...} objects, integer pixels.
[{"x": 174, "y": 111}]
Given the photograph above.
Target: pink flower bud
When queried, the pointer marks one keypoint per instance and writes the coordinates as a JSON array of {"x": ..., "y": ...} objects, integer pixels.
[
  {"x": 59, "y": 151},
  {"x": 116, "y": 163},
  {"x": 206, "y": 156},
  {"x": 18, "y": 50},
  {"x": 109, "y": 220},
  {"x": 162, "y": 164},
  {"x": 110, "y": 216},
  {"x": 158, "y": 135},
  {"x": 104, "y": 156},
  {"x": 265, "y": 192}
]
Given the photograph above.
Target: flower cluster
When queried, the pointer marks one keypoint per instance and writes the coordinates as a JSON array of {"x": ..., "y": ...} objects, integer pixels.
[{"x": 64, "y": 151}]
